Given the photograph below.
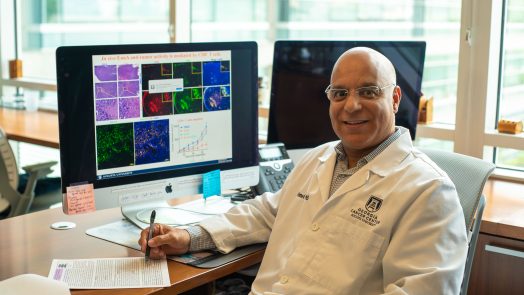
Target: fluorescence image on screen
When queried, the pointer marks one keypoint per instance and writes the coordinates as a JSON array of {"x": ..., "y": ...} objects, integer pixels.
[
  {"x": 155, "y": 72},
  {"x": 151, "y": 141},
  {"x": 114, "y": 145},
  {"x": 217, "y": 98},
  {"x": 190, "y": 72},
  {"x": 157, "y": 104},
  {"x": 216, "y": 73},
  {"x": 188, "y": 100}
]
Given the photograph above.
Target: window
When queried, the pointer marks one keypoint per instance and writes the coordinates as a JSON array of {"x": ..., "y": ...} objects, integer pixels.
[
  {"x": 510, "y": 105},
  {"x": 469, "y": 43},
  {"x": 436, "y": 22},
  {"x": 45, "y": 25},
  {"x": 455, "y": 53}
]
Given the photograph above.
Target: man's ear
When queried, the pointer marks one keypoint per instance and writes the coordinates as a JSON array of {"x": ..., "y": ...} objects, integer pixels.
[{"x": 397, "y": 96}]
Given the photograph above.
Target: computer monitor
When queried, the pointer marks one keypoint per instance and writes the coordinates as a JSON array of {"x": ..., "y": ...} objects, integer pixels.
[
  {"x": 142, "y": 123},
  {"x": 299, "y": 116}
]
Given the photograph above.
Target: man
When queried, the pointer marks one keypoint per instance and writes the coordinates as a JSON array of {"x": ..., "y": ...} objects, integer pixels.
[{"x": 368, "y": 214}]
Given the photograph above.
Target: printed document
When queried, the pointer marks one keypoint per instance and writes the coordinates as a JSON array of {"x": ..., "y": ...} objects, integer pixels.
[{"x": 110, "y": 273}]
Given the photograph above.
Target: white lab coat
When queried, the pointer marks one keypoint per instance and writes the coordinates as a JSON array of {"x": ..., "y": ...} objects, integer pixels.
[{"x": 395, "y": 227}]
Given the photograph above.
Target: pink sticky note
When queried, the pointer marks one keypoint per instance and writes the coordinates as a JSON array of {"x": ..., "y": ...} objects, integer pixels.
[{"x": 80, "y": 199}]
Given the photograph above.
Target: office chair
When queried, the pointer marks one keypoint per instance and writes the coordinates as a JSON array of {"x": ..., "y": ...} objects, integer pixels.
[
  {"x": 469, "y": 176},
  {"x": 13, "y": 202}
]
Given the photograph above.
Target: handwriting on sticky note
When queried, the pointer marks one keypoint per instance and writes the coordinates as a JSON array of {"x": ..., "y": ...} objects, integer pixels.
[
  {"x": 80, "y": 199},
  {"x": 211, "y": 184}
]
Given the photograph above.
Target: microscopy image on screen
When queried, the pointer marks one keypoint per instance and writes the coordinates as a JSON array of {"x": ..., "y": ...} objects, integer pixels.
[
  {"x": 217, "y": 98},
  {"x": 188, "y": 101},
  {"x": 155, "y": 72},
  {"x": 157, "y": 104},
  {"x": 114, "y": 145},
  {"x": 106, "y": 109},
  {"x": 151, "y": 141},
  {"x": 128, "y": 88},
  {"x": 105, "y": 90},
  {"x": 190, "y": 72},
  {"x": 129, "y": 107},
  {"x": 128, "y": 72},
  {"x": 216, "y": 73},
  {"x": 162, "y": 101},
  {"x": 105, "y": 72}
]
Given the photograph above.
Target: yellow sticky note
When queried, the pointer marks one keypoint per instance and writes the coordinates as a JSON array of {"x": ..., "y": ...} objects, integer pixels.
[{"x": 80, "y": 199}]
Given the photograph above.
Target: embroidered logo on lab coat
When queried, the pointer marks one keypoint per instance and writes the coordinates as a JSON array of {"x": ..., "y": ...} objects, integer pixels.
[
  {"x": 366, "y": 214},
  {"x": 373, "y": 204}
]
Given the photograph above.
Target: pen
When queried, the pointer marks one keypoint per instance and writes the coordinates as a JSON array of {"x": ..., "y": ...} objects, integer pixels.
[{"x": 151, "y": 230}]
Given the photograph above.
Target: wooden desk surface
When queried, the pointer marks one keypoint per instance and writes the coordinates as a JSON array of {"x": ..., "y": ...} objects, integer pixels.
[
  {"x": 504, "y": 212},
  {"x": 28, "y": 245},
  {"x": 32, "y": 127}
]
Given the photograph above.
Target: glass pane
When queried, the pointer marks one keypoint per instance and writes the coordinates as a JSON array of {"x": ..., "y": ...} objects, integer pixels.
[
  {"x": 15, "y": 97},
  {"x": 510, "y": 158},
  {"x": 436, "y": 22},
  {"x": 444, "y": 145},
  {"x": 511, "y": 106},
  {"x": 30, "y": 154},
  {"x": 47, "y": 24}
]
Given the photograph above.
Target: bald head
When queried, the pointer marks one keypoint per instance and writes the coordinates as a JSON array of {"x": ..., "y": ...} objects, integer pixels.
[{"x": 385, "y": 70}]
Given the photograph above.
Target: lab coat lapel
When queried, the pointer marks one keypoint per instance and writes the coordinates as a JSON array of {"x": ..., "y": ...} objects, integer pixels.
[
  {"x": 385, "y": 163},
  {"x": 354, "y": 182},
  {"x": 325, "y": 173}
]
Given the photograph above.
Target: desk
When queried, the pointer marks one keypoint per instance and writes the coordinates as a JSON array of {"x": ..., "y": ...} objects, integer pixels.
[
  {"x": 32, "y": 127},
  {"x": 502, "y": 228},
  {"x": 28, "y": 245}
]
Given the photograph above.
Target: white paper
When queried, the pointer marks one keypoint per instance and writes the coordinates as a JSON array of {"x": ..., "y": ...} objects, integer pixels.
[
  {"x": 110, "y": 273},
  {"x": 121, "y": 232},
  {"x": 211, "y": 206},
  {"x": 192, "y": 212}
]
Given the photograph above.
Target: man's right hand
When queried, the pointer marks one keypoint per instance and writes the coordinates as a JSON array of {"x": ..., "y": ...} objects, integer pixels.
[{"x": 166, "y": 241}]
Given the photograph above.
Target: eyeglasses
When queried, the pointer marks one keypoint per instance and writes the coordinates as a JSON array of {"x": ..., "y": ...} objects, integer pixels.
[{"x": 366, "y": 92}]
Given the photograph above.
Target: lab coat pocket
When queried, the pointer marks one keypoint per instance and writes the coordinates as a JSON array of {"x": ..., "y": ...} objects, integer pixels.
[{"x": 342, "y": 261}]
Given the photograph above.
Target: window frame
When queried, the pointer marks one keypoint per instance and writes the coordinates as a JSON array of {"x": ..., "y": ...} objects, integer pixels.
[{"x": 478, "y": 75}]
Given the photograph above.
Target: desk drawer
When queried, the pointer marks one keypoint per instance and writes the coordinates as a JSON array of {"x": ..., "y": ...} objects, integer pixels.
[{"x": 498, "y": 266}]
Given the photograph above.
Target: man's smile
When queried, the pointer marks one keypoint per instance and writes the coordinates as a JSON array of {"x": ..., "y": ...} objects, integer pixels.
[{"x": 354, "y": 122}]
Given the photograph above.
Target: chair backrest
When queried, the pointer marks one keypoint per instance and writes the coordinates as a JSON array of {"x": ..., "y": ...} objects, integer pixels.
[
  {"x": 8, "y": 161},
  {"x": 469, "y": 176},
  {"x": 9, "y": 196}
]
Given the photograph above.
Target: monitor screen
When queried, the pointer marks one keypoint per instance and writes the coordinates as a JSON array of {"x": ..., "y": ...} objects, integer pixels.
[
  {"x": 144, "y": 122},
  {"x": 299, "y": 109}
]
